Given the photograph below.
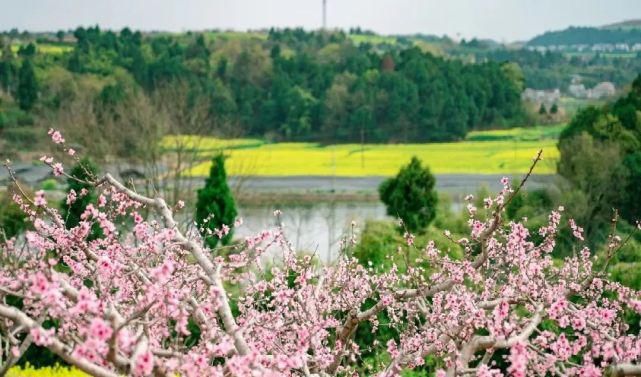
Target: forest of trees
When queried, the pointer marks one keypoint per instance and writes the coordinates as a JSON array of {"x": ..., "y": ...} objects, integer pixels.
[
  {"x": 512, "y": 271},
  {"x": 283, "y": 85},
  {"x": 600, "y": 166},
  {"x": 587, "y": 35},
  {"x": 555, "y": 70}
]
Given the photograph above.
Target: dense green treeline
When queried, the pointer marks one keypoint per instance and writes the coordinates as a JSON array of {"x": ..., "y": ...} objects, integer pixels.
[
  {"x": 601, "y": 154},
  {"x": 587, "y": 35},
  {"x": 555, "y": 70},
  {"x": 600, "y": 179},
  {"x": 283, "y": 85}
]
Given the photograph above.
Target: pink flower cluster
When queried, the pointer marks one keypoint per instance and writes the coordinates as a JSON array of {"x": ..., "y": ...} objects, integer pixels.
[
  {"x": 128, "y": 301},
  {"x": 56, "y": 136}
]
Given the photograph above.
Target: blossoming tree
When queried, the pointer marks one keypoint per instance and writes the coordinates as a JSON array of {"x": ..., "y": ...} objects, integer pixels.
[{"x": 130, "y": 301}]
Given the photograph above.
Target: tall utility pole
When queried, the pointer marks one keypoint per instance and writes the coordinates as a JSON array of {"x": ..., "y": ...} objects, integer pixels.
[{"x": 324, "y": 14}]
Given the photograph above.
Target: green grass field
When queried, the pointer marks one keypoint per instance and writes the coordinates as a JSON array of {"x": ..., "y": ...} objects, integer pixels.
[
  {"x": 45, "y": 48},
  {"x": 373, "y": 39},
  {"x": 489, "y": 152},
  {"x": 536, "y": 133}
]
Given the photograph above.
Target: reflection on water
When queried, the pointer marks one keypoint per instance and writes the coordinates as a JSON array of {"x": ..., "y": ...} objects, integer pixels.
[{"x": 315, "y": 227}]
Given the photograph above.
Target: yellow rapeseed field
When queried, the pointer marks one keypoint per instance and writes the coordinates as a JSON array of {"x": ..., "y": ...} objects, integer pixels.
[
  {"x": 57, "y": 371},
  {"x": 471, "y": 157},
  {"x": 507, "y": 151}
]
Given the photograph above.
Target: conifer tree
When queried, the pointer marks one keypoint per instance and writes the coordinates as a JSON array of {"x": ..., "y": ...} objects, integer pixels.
[
  {"x": 542, "y": 110},
  {"x": 27, "y": 86},
  {"x": 215, "y": 208}
]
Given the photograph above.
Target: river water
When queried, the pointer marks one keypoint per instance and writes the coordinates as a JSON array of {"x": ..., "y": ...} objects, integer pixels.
[{"x": 315, "y": 227}]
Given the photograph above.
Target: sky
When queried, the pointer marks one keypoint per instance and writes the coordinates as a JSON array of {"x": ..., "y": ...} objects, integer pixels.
[{"x": 502, "y": 20}]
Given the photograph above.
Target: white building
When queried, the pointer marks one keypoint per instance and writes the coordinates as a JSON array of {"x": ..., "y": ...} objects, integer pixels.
[
  {"x": 601, "y": 90},
  {"x": 577, "y": 90},
  {"x": 544, "y": 96}
]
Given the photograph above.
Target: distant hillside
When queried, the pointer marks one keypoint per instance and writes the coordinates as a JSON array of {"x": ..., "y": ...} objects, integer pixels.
[
  {"x": 588, "y": 36},
  {"x": 625, "y": 25}
]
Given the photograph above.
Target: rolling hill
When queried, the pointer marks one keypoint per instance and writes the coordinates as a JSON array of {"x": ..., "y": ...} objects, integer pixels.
[
  {"x": 625, "y": 25},
  {"x": 627, "y": 32}
]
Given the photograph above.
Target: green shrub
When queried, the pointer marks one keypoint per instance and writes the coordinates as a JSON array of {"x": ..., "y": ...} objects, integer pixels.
[
  {"x": 379, "y": 245},
  {"x": 411, "y": 196},
  {"x": 21, "y": 137},
  {"x": 11, "y": 116},
  {"x": 12, "y": 219},
  {"x": 85, "y": 170},
  {"x": 4, "y": 120},
  {"x": 446, "y": 219},
  {"x": 49, "y": 184},
  {"x": 378, "y": 248}
]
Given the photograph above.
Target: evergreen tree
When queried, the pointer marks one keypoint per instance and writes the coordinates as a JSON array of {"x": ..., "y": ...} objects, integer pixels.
[
  {"x": 8, "y": 69},
  {"x": 215, "y": 207},
  {"x": 27, "y": 86},
  {"x": 554, "y": 109},
  {"x": 27, "y": 51},
  {"x": 542, "y": 110},
  {"x": 411, "y": 195},
  {"x": 84, "y": 170}
]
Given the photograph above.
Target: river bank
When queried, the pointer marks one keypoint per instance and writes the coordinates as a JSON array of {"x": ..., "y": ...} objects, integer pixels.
[{"x": 313, "y": 189}]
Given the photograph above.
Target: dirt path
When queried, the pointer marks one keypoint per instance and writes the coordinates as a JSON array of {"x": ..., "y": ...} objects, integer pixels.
[{"x": 453, "y": 184}]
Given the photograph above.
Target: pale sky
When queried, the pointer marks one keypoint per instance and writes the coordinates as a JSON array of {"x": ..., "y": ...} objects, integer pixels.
[{"x": 503, "y": 20}]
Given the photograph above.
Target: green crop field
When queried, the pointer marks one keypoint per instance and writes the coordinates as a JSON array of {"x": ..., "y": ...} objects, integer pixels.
[{"x": 498, "y": 151}]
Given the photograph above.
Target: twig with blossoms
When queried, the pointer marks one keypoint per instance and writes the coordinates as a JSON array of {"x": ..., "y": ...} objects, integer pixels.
[{"x": 151, "y": 283}]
